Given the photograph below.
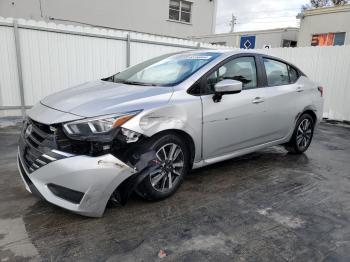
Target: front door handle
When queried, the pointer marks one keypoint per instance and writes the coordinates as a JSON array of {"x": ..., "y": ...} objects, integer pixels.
[
  {"x": 300, "y": 89},
  {"x": 258, "y": 100}
]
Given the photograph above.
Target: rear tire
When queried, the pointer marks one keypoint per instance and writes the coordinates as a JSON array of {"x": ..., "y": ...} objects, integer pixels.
[
  {"x": 302, "y": 135},
  {"x": 175, "y": 162}
]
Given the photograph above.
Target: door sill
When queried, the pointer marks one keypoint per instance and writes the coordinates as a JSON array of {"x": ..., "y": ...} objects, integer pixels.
[{"x": 237, "y": 153}]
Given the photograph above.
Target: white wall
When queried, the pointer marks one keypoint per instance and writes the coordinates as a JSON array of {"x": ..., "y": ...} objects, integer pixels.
[
  {"x": 52, "y": 61},
  {"x": 149, "y": 16}
]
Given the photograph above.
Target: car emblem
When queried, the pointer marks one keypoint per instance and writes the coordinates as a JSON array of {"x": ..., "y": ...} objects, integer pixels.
[
  {"x": 28, "y": 131},
  {"x": 53, "y": 129}
]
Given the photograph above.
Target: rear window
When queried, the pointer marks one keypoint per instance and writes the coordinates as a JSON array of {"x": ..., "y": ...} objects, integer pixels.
[{"x": 279, "y": 73}]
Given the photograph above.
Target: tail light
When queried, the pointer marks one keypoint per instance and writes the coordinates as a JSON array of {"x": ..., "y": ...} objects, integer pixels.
[{"x": 320, "y": 89}]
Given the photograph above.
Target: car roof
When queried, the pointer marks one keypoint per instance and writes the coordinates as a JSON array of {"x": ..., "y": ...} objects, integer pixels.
[{"x": 227, "y": 52}]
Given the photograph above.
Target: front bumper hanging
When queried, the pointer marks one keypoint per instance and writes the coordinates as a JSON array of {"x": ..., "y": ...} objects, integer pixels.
[{"x": 80, "y": 183}]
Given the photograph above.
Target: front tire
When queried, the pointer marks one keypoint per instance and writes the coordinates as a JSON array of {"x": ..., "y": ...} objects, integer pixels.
[
  {"x": 174, "y": 156},
  {"x": 302, "y": 135}
]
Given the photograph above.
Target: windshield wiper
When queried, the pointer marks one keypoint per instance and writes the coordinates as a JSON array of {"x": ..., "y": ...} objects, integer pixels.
[{"x": 134, "y": 83}]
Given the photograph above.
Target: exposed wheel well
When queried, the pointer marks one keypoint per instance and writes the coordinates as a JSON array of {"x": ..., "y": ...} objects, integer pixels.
[
  {"x": 311, "y": 113},
  {"x": 187, "y": 138}
]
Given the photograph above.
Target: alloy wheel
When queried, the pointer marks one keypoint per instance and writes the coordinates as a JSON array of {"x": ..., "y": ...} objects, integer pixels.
[
  {"x": 171, "y": 159},
  {"x": 304, "y": 134}
]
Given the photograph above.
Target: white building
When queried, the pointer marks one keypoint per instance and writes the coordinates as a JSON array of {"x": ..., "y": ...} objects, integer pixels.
[
  {"x": 325, "y": 26},
  {"x": 318, "y": 27},
  {"x": 177, "y": 18},
  {"x": 279, "y": 37}
]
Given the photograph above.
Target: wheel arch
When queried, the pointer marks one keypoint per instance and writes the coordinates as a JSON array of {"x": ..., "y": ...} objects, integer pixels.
[
  {"x": 184, "y": 135},
  {"x": 311, "y": 113}
]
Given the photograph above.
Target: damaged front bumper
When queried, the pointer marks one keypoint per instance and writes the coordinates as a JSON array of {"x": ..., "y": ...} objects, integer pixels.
[
  {"x": 81, "y": 176},
  {"x": 81, "y": 184}
]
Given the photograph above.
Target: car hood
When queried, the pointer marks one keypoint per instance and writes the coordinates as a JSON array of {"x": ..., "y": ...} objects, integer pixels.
[{"x": 102, "y": 98}]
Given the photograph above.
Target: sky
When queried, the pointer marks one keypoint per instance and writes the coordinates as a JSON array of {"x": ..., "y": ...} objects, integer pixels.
[{"x": 257, "y": 14}]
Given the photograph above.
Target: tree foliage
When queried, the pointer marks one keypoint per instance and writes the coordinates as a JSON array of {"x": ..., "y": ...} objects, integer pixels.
[
  {"x": 319, "y": 3},
  {"x": 322, "y": 3},
  {"x": 339, "y": 2}
]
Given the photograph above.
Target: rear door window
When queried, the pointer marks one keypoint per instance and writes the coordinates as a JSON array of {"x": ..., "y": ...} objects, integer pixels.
[
  {"x": 276, "y": 72},
  {"x": 293, "y": 74}
]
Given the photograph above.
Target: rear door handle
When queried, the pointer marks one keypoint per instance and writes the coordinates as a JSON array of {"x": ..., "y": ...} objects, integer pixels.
[
  {"x": 300, "y": 89},
  {"x": 258, "y": 100}
]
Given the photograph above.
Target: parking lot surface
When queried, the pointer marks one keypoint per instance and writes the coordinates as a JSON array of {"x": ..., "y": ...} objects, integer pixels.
[{"x": 266, "y": 206}]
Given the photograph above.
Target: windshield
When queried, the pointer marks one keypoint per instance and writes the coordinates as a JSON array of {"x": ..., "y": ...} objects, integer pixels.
[{"x": 165, "y": 70}]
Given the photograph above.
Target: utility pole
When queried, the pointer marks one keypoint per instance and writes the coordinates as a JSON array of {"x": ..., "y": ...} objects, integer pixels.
[{"x": 233, "y": 22}]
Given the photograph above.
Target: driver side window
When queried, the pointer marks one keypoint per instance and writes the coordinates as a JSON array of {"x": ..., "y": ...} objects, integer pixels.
[{"x": 242, "y": 69}]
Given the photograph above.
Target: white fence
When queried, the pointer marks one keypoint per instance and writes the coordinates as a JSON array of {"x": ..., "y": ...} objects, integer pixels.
[
  {"x": 39, "y": 58},
  {"x": 51, "y": 57},
  {"x": 330, "y": 67}
]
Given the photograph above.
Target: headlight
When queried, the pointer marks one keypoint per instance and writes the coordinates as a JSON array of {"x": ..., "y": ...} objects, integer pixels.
[{"x": 98, "y": 125}]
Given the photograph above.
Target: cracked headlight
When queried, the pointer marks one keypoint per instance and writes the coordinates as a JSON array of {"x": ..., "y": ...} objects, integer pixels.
[{"x": 97, "y": 125}]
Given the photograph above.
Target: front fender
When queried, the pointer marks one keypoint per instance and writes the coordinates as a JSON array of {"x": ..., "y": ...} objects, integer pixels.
[{"x": 184, "y": 115}]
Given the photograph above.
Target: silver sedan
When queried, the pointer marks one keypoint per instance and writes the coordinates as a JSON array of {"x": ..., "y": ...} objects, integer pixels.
[{"x": 143, "y": 129}]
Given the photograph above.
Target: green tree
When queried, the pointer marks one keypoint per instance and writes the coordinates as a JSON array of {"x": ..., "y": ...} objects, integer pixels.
[
  {"x": 339, "y": 2},
  {"x": 322, "y": 3},
  {"x": 319, "y": 3},
  {"x": 305, "y": 7}
]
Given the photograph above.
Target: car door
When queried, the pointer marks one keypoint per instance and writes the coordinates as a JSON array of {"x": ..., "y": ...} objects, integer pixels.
[
  {"x": 281, "y": 94},
  {"x": 238, "y": 120}
]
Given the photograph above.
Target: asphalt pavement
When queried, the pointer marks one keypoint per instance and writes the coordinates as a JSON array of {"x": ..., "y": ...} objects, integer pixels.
[{"x": 266, "y": 206}]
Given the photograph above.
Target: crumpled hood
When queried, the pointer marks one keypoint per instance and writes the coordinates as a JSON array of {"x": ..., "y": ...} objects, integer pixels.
[{"x": 102, "y": 98}]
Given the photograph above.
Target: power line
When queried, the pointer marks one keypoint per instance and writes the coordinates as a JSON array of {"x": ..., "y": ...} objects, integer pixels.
[
  {"x": 248, "y": 17},
  {"x": 253, "y": 21},
  {"x": 275, "y": 10},
  {"x": 248, "y": 20},
  {"x": 258, "y": 22},
  {"x": 265, "y": 17},
  {"x": 266, "y": 22},
  {"x": 258, "y": 18},
  {"x": 270, "y": 20}
]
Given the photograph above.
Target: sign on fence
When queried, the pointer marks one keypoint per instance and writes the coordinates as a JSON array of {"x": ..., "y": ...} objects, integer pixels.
[{"x": 248, "y": 42}]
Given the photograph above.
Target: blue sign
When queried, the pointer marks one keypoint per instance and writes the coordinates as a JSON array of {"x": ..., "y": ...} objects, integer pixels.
[{"x": 247, "y": 42}]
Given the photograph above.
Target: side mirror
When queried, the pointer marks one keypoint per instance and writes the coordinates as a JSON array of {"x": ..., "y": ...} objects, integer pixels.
[
  {"x": 226, "y": 86},
  {"x": 110, "y": 78}
]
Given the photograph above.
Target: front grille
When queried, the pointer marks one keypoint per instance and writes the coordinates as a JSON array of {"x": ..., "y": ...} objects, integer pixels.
[
  {"x": 24, "y": 173},
  {"x": 37, "y": 145}
]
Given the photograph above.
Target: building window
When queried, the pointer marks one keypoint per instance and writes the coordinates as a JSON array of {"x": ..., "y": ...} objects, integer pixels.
[
  {"x": 180, "y": 11},
  {"x": 289, "y": 43},
  {"x": 330, "y": 39},
  {"x": 218, "y": 43},
  {"x": 339, "y": 39}
]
